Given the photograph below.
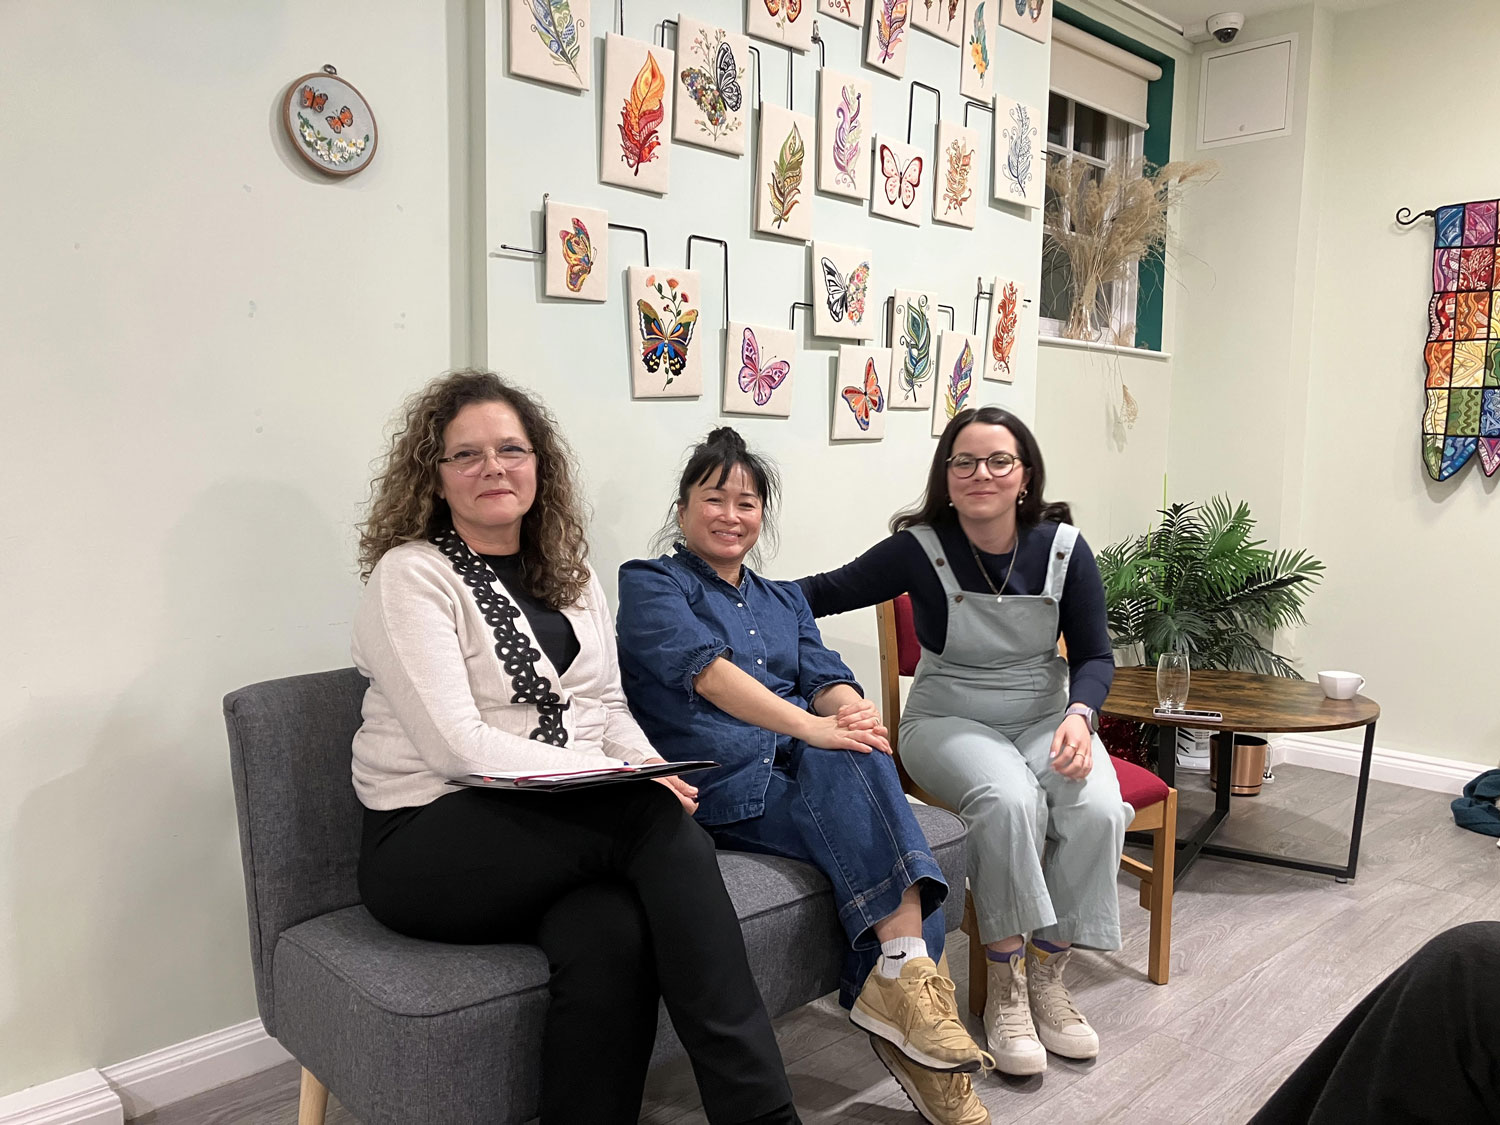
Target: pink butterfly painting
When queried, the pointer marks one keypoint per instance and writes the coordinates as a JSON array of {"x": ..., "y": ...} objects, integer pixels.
[
  {"x": 755, "y": 379},
  {"x": 763, "y": 382},
  {"x": 899, "y": 177}
]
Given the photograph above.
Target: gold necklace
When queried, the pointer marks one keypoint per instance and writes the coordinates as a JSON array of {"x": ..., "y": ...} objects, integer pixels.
[{"x": 990, "y": 582}]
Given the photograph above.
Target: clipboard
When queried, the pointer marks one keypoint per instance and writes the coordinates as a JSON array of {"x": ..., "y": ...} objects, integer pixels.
[{"x": 577, "y": 779}]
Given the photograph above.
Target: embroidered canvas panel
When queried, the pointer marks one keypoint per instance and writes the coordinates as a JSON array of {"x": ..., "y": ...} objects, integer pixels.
[
  {"x": 844, "y": 115},
  {"x": 577, "y": 242},
  {"x": 713, "y": 102},
  {"x": 665, "y": 349},
  {"x": 847, "y": 11},
  {"x": 1032, "y": 18},
  {"x": 549, "y": 41},
  {"x": 1009, "y": 320},
  {"x": 956, "y": 176},
  {"x": 901, "y": 173},
  {"x": 959, "y": 357},
  {"x": 841, "y": 292},
  {"x": 976, "y": 77},
  {"x": 887, "y": 36},
  {"x": 914, "y": 340},
  {"x": 787, "y": 22},
  {"x": 783, "y": 193},
  {"x": 1020, "y": 156},
  {"x": 1463, "y": 343},
  {"x": 943, "y": 18},
  {"x": 758, "y": 370},
  {"x": 634, "y": 152},
  {"x": 860, "y": 393}
]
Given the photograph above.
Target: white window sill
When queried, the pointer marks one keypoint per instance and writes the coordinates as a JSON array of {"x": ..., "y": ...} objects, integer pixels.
[{"x": 1099, "y": 346}]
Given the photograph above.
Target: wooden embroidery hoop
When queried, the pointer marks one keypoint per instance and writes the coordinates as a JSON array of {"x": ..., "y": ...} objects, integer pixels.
[{"x": 288, "y": 120}]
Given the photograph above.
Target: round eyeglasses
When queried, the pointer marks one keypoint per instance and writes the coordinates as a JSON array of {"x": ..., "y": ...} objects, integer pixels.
[
  {"x": 471, "y": 462},
  {"x": 999, "y": 464}
]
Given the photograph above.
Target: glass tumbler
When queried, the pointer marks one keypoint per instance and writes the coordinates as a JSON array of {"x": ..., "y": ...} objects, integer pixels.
[{"x": 1172, "y": 676}]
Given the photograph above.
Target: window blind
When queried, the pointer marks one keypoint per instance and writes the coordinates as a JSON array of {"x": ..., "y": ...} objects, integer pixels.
[{"x": 1099, "y": 74}]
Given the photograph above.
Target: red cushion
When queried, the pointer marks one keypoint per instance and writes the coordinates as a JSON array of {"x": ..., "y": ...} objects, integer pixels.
[
  {"x": 908, "y": 648},
  {"x": 1139, "y": 786}
]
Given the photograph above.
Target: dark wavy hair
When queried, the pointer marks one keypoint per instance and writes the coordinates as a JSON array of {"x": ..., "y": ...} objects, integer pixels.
[
  {"x": 934, "y": 507},
  {"x": 713, "y": 459},
  {"x": 404, "y": 500}
]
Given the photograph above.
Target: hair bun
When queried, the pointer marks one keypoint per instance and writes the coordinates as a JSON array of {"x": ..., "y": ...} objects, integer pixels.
[{"x": 726, "y": 436}]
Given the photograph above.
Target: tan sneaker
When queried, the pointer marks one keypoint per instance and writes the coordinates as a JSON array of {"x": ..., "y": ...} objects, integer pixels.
[
  {"x": 1061, "y": 1026},
  {"x": 917, "y": 1013},
  {"x": 942, "y": 1099},
  {"x": 1008, "y": 1028}
]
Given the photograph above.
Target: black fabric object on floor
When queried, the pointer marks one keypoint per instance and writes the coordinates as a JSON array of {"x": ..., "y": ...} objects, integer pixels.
[{"x": 1424, "y": 1046}]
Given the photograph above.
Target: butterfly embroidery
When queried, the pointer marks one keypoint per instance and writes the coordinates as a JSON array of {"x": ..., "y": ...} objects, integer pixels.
[
  {"x": 755, "y": 379},
  {"x": 658, "y": 342},
  {"x": 793, "y": 8},
  {"x": 865, "y": 402},
  {"x": 846, "y": 296},
  {"x": 900, "y": 183},
  {"x": 313, "y": 100},
  {"x": 718, "y": 94},
  {"x": 344, "y": 120},
  {"x": 578, "y": 253}
]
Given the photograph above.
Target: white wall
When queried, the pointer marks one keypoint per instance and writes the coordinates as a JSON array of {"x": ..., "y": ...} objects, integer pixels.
[{"x": 201, "y": 344}]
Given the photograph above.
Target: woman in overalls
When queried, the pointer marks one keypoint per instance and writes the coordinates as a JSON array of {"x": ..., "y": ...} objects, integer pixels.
[{"x": 1000, "y": 727}]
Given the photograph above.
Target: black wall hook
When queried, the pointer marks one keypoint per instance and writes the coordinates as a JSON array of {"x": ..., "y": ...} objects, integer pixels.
[
  {"x": 911, "y": 99},
  {"x": 1406, "y": 219},
  {"x": 818, "y": 39},
  {"x": 546, "y": 195},
  {"x": 755, "y": 54},
  {"x": 662, "y": 28},
  {"x": 952, "y": 316},
  {"x": 645, "y": 238},
  {"x": 791, "y": 319},
  {"x": 692, "y": 238},
  {"x": 981, "y": 106}
]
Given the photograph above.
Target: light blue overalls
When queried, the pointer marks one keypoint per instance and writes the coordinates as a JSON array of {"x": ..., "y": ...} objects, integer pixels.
[{"x": 976, "y": 732}]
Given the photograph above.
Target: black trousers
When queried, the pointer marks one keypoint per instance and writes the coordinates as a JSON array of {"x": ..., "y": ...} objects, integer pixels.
[
  {"x": 1423, "y": 1046},
  {"x": 621, "y": 889}
]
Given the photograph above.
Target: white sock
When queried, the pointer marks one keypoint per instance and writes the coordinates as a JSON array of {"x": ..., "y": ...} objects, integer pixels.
[{"x": 896, "y": 953}]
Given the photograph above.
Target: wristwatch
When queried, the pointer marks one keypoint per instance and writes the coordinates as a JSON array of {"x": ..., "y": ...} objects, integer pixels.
[{"x": 1088, "y": 713}]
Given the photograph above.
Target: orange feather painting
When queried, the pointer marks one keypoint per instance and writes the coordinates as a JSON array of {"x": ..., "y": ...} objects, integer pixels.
[
  {"x": 1012, "y": 331},
  {"x": 637, "y": 102},
  {"x": 956, "y": 175}
]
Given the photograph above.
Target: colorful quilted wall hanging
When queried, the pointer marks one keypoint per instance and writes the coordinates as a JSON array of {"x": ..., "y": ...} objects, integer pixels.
[{"x": 1463, "y": 343}]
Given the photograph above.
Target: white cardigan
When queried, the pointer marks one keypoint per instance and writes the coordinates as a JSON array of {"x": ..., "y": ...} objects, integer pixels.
[{"x": 429, "y": 635}]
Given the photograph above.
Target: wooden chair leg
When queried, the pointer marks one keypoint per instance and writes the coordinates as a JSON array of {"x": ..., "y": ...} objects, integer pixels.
[
  {"x": 979, "y": 967},
  {"x": 312, "y": 1105},
  {"x": 1163, "y": 858}
]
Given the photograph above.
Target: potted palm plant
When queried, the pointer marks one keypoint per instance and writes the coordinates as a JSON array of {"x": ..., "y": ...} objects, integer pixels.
[{"x": 1201, "y": 583}]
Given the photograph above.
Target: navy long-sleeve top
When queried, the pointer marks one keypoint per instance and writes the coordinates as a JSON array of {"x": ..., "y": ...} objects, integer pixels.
[{"x": 898, "y": 565}]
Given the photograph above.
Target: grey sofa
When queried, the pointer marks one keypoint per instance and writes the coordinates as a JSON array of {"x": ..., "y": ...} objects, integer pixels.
[{"x": 415, "y": 1032}]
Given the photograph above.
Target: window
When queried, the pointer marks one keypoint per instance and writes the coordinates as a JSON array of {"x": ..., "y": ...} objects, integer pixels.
[{"x": 1076, "y": 131}]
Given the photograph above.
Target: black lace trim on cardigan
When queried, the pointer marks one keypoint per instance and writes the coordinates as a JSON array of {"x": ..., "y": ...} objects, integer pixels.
[{"x": 514, "y": 648}]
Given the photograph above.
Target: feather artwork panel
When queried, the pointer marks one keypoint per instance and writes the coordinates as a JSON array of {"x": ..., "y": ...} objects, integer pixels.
[
  {"x": 577, "y": 243},
  {"x": 956, "y": 178},
  {"x": 785, "y": 22},
  {"x": 634, "y": 151},
  {"x": 942, "y": 18},
  {"x": 861, "y": 393},
  {"x": 841, "y": 292},
  {"x": 914, "y": 341},
  {"x": 902, "y": 173},
  {"x": 845, "y": 11},
  {"x": 976, "y": 76},
  {"x": 844, "y": 114},
  {"x": 1032, "y": 18},
  {"x": 783, "y": 195},
  {"x": 712, "y": 96},
  {"x": 549, "y": 42},
  {"x": 959, "y": 354},
  {"x": 887, "y": 36},
  {"x": 758, "y": 369},
  {"x": 1020, "y": 155},
  {"x": 1010, "y": 345},
  {"x": 666, "y": 348}
]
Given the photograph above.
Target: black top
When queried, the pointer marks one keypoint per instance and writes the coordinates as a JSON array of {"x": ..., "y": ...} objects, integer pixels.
[
  {"x": 898, "y": 565},
  {"x": 552, "y": 630}
]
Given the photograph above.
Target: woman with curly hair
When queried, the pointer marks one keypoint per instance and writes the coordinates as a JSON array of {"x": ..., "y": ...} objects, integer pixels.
[{"x": 489, "y": 648}]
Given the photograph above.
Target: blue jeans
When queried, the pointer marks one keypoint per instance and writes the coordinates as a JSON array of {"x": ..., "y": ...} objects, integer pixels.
[{"x": 845, "y": 814}]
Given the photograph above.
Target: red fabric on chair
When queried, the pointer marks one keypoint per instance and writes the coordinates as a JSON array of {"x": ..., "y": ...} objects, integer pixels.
[
  {"x": 908, "y": 648},
  {"x": 1139, "y": 787}
]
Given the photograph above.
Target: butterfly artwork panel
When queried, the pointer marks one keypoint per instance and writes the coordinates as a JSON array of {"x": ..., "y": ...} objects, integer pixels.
[
  {"x": 901, "y": 177},
  {"x": 959, "y": 358},
  {"x": 1032, "y": 18},
  {"x": 577, "y": 243},
  {"x": 666, "y": 358},
  {"x": 787, "y": 22},
  {"x": 976, "y": 75},
  {"x": 712, "y": 101},
  {"x": 956, "y": 177},
  {"x": 758, "y": 369},
  {"x": 845, "y": 11},
  {"x": 1020, "y": 156},
  {"x": 330, "y": 124},
  {"x": 1012, "y": 328},
  {"x": 914, "y": 342},
  {"x": 783, "y": 193},
  {"x": 841, "y": 292},
  {"x": 861, "y": 393},
  {"x": 844, "y": 115},
  {"x": 549, "y": 42},
  {"x": 634, "y": 152},
  {"x": 889, "y": 25}
]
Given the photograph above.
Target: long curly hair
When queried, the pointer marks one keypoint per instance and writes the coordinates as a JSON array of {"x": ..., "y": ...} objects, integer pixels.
[{"x": 404, "y": 500}]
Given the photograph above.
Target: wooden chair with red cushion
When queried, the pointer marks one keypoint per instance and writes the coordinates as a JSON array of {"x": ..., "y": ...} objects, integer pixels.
[{"x": 1154, "y": 802}]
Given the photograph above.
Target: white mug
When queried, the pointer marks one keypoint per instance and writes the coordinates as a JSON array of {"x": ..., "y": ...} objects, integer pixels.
[{"x": 1341, "y": 685}]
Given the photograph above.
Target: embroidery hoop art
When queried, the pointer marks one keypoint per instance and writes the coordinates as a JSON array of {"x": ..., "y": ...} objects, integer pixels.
[{"x": 340, "y": 93}]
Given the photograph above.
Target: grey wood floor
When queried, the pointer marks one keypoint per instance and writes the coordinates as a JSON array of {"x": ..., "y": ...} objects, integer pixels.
[{"x": 1264, "y": 963}]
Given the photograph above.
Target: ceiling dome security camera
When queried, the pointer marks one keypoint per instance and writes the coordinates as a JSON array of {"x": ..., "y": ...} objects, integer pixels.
[{"x": 1226, "y": 25}]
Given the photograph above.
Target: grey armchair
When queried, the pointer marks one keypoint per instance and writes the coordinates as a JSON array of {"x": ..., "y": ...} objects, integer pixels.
[{"x": 414, "y": 1032}]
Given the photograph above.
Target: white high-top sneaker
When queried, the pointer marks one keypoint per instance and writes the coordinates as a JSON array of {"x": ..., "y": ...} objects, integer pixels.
[
  {"x": 1063, "y": 1029},
  {"x": 1007, "y": 1019}
]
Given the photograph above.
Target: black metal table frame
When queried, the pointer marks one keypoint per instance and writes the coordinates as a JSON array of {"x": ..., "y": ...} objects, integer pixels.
[{"x": 1189, "y": 848}]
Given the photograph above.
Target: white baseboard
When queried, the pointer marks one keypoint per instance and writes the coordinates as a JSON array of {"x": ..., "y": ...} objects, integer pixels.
[
  {"x": 84, "y": 1098},
  {"x": 1440, "y": 775},
  {"x": 183, "y": 1070}
]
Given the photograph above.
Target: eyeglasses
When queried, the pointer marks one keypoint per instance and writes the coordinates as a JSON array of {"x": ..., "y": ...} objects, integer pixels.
[
  {"x": 1000, "y": 464},
  {"x": 471, "y": 462}
]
